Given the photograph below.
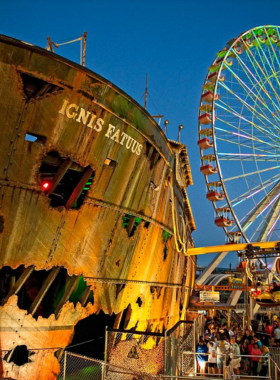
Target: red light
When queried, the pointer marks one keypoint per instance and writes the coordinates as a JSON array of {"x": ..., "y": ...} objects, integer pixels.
[{"x": 45, "y": 185}]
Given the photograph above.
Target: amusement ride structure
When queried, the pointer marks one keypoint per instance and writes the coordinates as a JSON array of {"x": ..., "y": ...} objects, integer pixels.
[{"x": 239, "y": 125}]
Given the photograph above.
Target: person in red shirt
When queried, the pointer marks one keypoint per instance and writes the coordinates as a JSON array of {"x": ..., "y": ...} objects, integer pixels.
[
  {"x": 250, "y": 347},
  {"x": 269, "y": 329},
  {"x": 256, "y": 353}
]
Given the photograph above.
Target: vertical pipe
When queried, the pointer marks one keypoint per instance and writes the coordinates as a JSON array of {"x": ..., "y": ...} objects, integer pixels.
[
  {"x": 64, "y": 369},
  {"x": 84, "y": 48}
]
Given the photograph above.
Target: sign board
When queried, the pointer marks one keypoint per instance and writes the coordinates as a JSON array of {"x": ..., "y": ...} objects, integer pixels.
[
  {"x": 236, "y": 283},
  {"x": 209, "y": 296},
  {"x": 133, "y": 353}
]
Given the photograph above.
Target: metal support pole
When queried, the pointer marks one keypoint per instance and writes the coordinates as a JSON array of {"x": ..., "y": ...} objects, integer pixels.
[
  {"x": 247, "y": 305},
  {"x": 165, "y": 352},
  {"x": 104, "y": 372},
  {"x": 64, "y": 369},
  {"x": 84, "y": 48},
  {"x": 194, "y": 346}
]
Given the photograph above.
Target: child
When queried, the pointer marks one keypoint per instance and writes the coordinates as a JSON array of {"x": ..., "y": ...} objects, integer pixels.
[
  {"x": 255, "y": 355},
  {"x": 212, "y": 358}
]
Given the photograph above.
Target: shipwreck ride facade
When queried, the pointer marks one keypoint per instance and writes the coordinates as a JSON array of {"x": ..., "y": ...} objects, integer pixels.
[{"x": 94, "y": 214}]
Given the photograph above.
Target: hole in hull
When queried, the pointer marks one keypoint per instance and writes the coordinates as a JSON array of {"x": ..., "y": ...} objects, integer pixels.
[
  {"x": 19, "y": 355},
  {"x": 43, "y": 293},
  {"x": 34, "y": 87},
  {"x": 89, "y": 335}
]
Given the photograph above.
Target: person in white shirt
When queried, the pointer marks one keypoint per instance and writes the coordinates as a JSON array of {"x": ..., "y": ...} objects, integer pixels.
[
  {"x": 277, "y": 336},
  {"x": 235, "y": 357}
]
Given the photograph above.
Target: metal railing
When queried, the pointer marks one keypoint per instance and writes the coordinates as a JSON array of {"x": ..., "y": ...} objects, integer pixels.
[
  {"x": 242, "y": 307},
  {"x": 78, "y": 367}
]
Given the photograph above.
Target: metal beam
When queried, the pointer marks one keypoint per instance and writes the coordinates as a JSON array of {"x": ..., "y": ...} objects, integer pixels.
[
  {"x": 49, "y": 280},
  {"x": 209, "y": 269},
  {"x": 231, "y": 248}
]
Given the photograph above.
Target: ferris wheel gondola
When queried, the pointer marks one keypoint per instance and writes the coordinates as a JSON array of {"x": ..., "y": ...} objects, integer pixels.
[{"x": 239, "y": 135}]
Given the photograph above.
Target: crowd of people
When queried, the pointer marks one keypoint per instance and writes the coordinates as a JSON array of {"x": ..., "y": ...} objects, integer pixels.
[{"x": 234, "y": 349}]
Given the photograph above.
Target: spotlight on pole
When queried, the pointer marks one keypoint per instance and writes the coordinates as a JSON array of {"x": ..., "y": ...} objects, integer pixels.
[
  {"x": 166, "y": 122},
  {"x": 179, "y": 131}
]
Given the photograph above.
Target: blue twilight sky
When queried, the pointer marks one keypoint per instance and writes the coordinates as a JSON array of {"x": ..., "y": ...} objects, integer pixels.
[{"x": 174, "y": 42}]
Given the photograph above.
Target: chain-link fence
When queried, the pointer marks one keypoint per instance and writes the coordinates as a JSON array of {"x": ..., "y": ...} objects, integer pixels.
[
  {"x": 137, "y": 352},
  {"x": 78, "y": 367},
  {"x": 180, "y": 339},
  {"x": 136, "y": 355},
  {"x": 152, "y": 354}
]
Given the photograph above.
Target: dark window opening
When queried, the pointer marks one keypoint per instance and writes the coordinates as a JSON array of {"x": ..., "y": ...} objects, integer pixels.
[
  {"x": 149, "y": 149},
  {"x": 119, "y": 288},
  {"x": 154, "y": 159},
  {"x": 159, "y": 290},
  {"x": 110, "y": 162},
  {"x": 6, "y": 281},
  {"x": 147, "y": 223},
  {"x": 130, "y": 223},
  {"x": 165, "y": 237},
  {"x": 152, "y": 154},
  {"x": 65, "y": 182},
  {"x": 118, "y": 263},
  {"x": 34, "y": 87},
  {"x": 1, "y": 224},
  {"x": 32, "y": 137},
  {"x": 19, "y": 355},
  {"x": 152, "y": 289},
  {"x": 165, "y": 252},
  {"x": 125, "y": 317},
  {"x": 139, "y": 302}
]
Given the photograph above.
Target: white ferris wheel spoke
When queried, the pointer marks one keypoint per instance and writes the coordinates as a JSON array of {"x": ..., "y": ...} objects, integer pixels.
[
  {"x": 251, "y": 173},
  {"x": 255, "y": 190},
  {"x": 255, "y": 82},
  {"x": 245, "y": 120},
  {"x": 257, "y": 211},
  {"x": 256, "y": 99}
]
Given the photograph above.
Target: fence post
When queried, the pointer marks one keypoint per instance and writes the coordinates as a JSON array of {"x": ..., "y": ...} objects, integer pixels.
[
  {"x": 194, "y": 347},
  {"x": 165, "y": 351},
  {"x": 104, "y": 372},
  {"x": 64, "y": 368}
]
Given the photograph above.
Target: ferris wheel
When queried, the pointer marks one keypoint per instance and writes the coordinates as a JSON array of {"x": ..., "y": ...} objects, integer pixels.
[{"x": 239, "y": 136}]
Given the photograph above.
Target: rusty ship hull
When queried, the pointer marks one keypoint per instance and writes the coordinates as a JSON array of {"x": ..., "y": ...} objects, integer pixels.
[{"x": 94, "y": 214}]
